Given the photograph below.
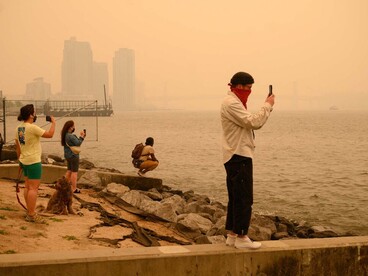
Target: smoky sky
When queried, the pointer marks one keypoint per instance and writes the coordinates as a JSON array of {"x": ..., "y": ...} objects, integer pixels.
[{"x": 313, "y": 52}]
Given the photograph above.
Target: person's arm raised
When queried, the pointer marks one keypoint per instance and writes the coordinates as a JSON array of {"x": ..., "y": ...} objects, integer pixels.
[{"x": 50, "y": 133}]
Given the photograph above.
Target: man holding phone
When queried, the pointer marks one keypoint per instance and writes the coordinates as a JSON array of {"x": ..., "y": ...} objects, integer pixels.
[{"x": 238, "y": 125}]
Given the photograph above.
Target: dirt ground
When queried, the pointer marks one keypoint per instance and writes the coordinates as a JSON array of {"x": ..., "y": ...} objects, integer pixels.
[{"x": 67, "y": 232}]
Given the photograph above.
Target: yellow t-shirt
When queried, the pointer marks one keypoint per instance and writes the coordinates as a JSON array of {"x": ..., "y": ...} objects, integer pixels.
[{"x": 28, "y": 136}]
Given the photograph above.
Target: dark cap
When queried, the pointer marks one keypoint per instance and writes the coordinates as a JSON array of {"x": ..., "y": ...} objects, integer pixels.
[
  {"x": 25, "y": 112},
  {"x": 241, "y": 78}
]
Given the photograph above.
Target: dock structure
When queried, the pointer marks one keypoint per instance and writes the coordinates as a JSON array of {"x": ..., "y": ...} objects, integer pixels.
[{"x": 77, "y": 109}]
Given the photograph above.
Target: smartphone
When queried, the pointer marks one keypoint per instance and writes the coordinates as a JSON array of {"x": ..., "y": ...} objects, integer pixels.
[
  {"x": 48, "y": 118},
  {"x": 270, "y": 90},
  {"x": 84, "y": 131}
]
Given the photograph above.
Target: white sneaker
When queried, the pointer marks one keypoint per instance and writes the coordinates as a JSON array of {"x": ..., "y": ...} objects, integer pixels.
[
  {"x": 230, "y": 240},
  {"x": 246, "y": 243}
]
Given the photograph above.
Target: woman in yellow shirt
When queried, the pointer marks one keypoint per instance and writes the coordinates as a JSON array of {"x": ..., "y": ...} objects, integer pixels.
[{"x": 28, "y": 145}]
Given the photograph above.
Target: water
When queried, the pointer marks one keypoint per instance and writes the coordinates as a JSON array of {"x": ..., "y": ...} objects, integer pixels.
[{"x": 308, "y": 166}]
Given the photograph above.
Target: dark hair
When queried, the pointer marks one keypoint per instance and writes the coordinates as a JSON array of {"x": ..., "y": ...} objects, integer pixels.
[
  {"x": 66, "y": 126},
  {"x": 149, "y": 141},
  {"x": 25, "y": 112},
  {"x": 241, "y": 78}
]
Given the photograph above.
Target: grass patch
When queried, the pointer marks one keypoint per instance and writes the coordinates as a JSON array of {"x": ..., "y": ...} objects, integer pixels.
[
  {"x": 2, "y": 217},
  {"x": 7, "y": 209},
  {"x": 3, "y": 232},
  {"x": 9, "y": 252},
  {"x": 56, "y": 219},
  {"x": 23, "y": 227},
  {"x": 70, "y": 238},
  {"x": 40, "y": 234}
]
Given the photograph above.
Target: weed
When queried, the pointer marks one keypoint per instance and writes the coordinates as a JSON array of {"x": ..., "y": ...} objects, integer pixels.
[
  {"x": 23, "y": 227},
  {"x": 40, "y": 234},
  {"x": 70, "y": 238},
  {"x": 3, "y": 232},
  {"x": 9, "y": 252},
  {"x": 56, "y": 219},
  {"x": 7, "y": 209}
]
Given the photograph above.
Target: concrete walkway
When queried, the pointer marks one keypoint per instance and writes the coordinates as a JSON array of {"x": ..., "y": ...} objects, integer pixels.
[{"x": 334, "y": 256}]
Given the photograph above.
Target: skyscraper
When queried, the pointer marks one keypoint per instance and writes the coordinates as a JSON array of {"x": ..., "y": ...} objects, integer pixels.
[
  {"x": 77, "y": 69},
  {"x": 124, "y": 80}
]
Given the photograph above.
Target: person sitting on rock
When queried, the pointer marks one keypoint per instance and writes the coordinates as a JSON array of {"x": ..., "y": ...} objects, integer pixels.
[{"x": 148, "y": 158}]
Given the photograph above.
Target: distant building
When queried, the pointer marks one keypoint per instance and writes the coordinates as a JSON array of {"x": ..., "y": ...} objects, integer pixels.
[
  {"x": 77, "y": 70},
  {"x": 124, "y": 79},
  {"x": 38, "y": 90}
]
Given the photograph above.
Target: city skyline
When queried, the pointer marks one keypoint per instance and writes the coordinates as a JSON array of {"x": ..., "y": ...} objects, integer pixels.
[{"x": 187, "y": 52}]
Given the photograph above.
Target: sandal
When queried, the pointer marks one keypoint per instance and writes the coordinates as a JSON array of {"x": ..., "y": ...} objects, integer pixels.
[{"x": 77, "y": 191}]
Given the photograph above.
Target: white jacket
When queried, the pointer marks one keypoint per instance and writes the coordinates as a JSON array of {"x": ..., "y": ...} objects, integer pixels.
[{"x": 238, "y": 125}]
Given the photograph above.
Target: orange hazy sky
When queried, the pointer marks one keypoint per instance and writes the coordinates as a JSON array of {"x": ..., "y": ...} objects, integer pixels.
[{"x": 187, "y": 51}]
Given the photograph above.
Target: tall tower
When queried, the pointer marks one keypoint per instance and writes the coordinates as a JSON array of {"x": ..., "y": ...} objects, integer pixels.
[
  {"x": 77, "y": 69},
  {"x": 124, "y": 80}
]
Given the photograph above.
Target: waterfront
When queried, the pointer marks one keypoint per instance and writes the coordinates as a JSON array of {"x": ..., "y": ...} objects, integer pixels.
[{"x": 308, "y": 165}]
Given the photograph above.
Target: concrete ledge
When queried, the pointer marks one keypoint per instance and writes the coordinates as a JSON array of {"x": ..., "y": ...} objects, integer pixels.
[
  {"x": 51, "y": 173},
  {"x": 334, "y": 256}
]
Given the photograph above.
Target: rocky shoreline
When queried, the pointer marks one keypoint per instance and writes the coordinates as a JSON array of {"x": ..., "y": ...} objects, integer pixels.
[{"x": 197, "y": 217}]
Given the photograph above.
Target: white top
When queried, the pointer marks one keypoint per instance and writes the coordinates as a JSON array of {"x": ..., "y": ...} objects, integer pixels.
[{"x": 238, "y": 125}]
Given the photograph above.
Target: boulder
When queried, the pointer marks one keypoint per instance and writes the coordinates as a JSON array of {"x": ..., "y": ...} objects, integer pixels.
[
  {"x": 195, "y": 221},
  {"x": 90, "y": 179},
  {"x": 116, "y": 189},
  {"x": 176, "y": 202},
  {"x": 154, "y": 194}
]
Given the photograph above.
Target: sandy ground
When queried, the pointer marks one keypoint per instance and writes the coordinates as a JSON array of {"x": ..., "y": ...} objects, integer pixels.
[{"x": 65, "y": 232}]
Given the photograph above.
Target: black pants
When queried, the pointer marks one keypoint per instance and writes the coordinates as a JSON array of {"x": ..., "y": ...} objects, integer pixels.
[{"x": 239, "y": 181}]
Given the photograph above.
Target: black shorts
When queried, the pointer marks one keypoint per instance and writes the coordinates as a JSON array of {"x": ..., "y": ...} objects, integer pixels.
[{"x": 73, "y": 164}]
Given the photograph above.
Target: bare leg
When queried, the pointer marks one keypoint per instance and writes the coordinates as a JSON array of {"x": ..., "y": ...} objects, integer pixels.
[
  {"x": 26, "y": 189},
  {"x": 31, "y": 199},
  {"x": 73, "y": 180},
  {"x": 68, "y": 174},
  {"x": 148, "y": 165}
]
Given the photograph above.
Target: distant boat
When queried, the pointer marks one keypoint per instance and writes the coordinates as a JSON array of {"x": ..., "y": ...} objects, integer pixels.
[{"x": 334, "y": 107}]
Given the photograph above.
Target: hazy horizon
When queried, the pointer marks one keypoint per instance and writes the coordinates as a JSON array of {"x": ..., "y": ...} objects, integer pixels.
[{"x": 187, "y": 51}]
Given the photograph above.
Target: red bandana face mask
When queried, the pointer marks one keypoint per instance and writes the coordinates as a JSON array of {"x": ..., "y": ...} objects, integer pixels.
[{"x": 242, "y": 94}]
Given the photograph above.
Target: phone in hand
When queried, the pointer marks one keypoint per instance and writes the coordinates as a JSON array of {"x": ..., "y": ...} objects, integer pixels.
[
  {"x": 84, "y": 131},
  {"x": 270, "y": 90},
  {"x": 48, "y": 118}
]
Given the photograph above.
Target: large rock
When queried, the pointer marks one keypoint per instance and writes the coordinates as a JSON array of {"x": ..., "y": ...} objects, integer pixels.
[
  {"x": 195, "y": 221},
  {"x": 116, "y": 189},
  {"x": 176, "y": 202},
  {"x": 90, "y": 179},
  {"x": 136, "y": 199},
  {"x": 145, "y": 203},
  {"x": 261, "y": 228}
]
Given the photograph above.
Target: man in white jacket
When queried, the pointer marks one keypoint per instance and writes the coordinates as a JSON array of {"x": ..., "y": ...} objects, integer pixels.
[{"x": 238, "y": 125}]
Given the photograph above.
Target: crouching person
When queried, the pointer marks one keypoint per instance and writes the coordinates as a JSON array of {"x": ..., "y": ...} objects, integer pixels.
[{"x": 148, "y": 158}]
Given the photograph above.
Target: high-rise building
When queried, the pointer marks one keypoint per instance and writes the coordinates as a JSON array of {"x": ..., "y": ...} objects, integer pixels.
[
  {"x": 77, "y": 70},
  {"x": 124, "y": 80},
  {"x": 38, "y": 90}
]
